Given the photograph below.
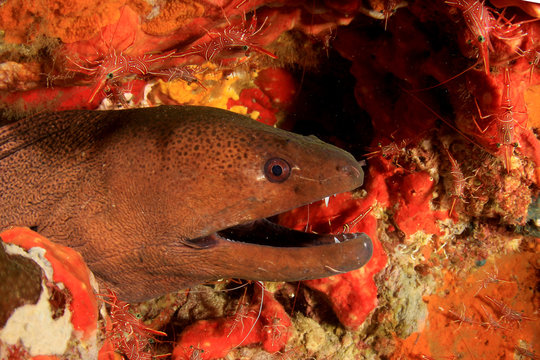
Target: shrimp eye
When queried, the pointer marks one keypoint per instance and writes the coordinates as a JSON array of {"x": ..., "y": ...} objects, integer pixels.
[
  {"x": 110, "y": 76},
  {"x": 481, "y": 39},
  {"x": 277, "y": 170}
]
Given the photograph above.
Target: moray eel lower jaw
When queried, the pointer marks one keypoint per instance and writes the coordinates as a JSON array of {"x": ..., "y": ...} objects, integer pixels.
[
  {"x": 278, "y": 253},
  {"x": 301, "y": 251}
]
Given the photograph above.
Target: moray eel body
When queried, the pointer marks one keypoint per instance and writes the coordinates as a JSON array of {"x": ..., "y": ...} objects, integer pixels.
[{"x": 160, "y": 199}]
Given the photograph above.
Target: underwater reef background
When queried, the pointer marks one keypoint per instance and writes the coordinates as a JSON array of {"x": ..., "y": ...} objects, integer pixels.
[{"x": 442, "y": 100}]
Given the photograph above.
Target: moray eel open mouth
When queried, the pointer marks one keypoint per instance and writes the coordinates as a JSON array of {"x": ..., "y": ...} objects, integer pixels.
[
  {"x": 263, "y": 250},
  {"x": 264, "y": 232},
  {"x": 291, "y": 255}
]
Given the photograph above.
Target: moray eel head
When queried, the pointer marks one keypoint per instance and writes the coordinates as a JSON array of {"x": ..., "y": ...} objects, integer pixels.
[
  {"x": 221, "y": 175},
  {"x": 161, "y": 199}
]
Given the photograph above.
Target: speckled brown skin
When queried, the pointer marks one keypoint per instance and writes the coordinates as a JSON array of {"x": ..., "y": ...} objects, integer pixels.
[{"x": 129, "y": 189}]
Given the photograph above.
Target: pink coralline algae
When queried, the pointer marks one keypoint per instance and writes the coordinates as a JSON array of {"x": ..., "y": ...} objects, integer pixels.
[
  {"x": 67, "y": 309},
  {"x": 352, "y": 295},
  {"x": 69, "y": 269},
  {"x": 262, "y": 321},
  {"x": 413, "y": 194}
]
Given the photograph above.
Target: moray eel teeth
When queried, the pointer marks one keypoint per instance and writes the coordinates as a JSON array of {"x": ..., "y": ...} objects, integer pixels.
[{"x": 263, "y": 232}]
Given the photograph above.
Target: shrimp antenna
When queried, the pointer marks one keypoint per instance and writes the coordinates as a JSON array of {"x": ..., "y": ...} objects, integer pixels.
[
  {"x": 447, "y": 80},
  {"x": 445, "y": 121}
]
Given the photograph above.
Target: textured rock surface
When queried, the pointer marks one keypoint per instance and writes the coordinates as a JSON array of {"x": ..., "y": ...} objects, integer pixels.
[{"x": 399, "y": 83}]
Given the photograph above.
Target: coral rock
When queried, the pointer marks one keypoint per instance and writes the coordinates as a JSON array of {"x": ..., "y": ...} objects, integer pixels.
[
  {"x": 256, "y": 101},
  {"x": 21, "y": 283},
  {"x": 279, "y": 85},
  {"x": 69, "y": 270},
  {"x": 172, "y": 16},
  {"x": 18, "y": 77},
  {"x": 352, "y": 295},
  {"x": 264, "y": 321},
  {"x": 414, "y": 193},
  {"x": 68, "y": 20}
]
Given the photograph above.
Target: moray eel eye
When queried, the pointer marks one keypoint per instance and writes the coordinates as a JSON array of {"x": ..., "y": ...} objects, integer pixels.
[{"x": 277, "y": 170}]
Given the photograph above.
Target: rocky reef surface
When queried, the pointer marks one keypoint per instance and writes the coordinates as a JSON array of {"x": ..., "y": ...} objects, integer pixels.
[{"x": 441, "y": 99}]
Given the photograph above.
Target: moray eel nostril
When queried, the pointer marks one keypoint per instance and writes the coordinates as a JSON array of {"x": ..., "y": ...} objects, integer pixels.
[
  {"x": 160, "y": 199},
  {"x": 352, "y": 170}
]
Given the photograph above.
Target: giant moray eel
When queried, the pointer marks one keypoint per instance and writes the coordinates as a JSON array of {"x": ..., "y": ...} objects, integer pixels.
[{"x": 163, "y": 198}]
